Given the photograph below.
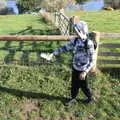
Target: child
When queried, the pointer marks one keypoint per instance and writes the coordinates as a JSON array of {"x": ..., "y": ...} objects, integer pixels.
[{"x": 83, "y": 60}]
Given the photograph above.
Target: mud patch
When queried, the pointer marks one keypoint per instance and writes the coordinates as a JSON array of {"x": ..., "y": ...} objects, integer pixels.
[{"x": 30, "y": 107}]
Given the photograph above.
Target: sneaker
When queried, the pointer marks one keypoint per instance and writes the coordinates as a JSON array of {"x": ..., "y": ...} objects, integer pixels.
[
  {"x": 72, "y": 101},
  {"x": 88, "y": 101}
]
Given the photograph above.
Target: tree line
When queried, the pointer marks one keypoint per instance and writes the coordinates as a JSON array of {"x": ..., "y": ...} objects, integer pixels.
[{"x": 49, "y": 5}]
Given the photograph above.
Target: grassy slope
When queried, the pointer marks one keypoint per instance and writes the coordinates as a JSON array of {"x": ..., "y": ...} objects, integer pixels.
[
  {"x": 37, "y": 92},
  {"x": 11, "y": 24},
  {"x": 103, "y": 21}
]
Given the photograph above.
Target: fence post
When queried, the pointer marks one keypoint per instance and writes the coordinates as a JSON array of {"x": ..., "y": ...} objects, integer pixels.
[
  {"x": 71, "y": 22},
  {"x": 96, "y": 36},
  {"x": 56, "y": 19}
]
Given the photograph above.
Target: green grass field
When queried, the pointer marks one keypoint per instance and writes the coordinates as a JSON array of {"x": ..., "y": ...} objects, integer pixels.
[
  {"x": 102, "y": 21},
  {"x": 30, "y": 90},
  {"x": 17, "y": 24}
]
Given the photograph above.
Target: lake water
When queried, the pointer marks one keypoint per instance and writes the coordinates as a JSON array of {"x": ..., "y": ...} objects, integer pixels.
[
  {"x": 91, "y": 5},
  {"x": 12, "y": 4}
]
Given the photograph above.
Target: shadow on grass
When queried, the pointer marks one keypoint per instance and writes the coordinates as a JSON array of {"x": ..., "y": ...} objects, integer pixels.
[
  {"x": 22, "y": 47},
  {"x": 9, "y": 57},
  {"x": 31, "y": 31},
  {"x": 27, "y": 94},
  {"x": 113, "y": 72}
]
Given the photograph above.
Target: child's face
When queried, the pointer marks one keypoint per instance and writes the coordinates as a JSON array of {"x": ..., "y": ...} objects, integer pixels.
[{"x": 76, "y": 19}]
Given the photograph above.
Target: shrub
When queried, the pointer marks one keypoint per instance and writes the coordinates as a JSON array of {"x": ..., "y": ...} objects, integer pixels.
[{"x": 47, "y": 17}]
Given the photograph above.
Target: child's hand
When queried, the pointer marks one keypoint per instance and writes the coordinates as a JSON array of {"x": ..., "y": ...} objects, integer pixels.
[
  {"x": 47, "y": 56},
  {"x": 82, "y": 75}
]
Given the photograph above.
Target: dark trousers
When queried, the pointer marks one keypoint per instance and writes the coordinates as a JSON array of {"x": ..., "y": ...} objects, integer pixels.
[{"x": 77, "y": 83}]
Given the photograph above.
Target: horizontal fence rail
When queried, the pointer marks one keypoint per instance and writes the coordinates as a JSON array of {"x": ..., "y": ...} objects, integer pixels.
[
  {"x": 53, "y": 38},
  {"x": 109, "y": 35},
  {"x": 110, "y": 45},
  {"x": 109, "y": 54},
  {"x": 109, "y": 61},
  {"x": 35, "y": 38}
]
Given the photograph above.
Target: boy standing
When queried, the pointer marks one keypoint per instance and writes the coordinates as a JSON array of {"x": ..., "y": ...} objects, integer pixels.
[{"x": 83, "y": 61}]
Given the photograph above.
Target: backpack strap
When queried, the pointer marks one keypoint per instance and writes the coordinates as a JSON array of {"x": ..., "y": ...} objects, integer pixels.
[
  {"x": 86, "y": 44},
  {"x": 75, "y": 41},
  {"x": 91, "y": 37}
]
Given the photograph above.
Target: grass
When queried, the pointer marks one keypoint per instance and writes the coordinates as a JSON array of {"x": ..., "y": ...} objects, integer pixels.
[
  {"x": 30, "y": 90},
  {"x": 31, "y": 93},
  {"x": 102, "y": 21},
  {"x": 17, "y": 24}
]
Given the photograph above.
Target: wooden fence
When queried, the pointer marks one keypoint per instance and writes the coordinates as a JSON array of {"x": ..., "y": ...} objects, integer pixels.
[
  {"x": 63, "y": 23},
  {"x": 110, "y": 59},
  {"x": 111, "y": 63},
  {"x": 35, "y": 38}
]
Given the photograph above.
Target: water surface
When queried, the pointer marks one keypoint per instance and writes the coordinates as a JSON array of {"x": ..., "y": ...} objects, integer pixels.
[
  {"x": 91, "y": 5},
  {"x": 12, "y": 4}
]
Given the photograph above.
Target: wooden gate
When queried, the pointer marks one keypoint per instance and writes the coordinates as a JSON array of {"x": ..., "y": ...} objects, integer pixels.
[{"x": 63, "y": 23}]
